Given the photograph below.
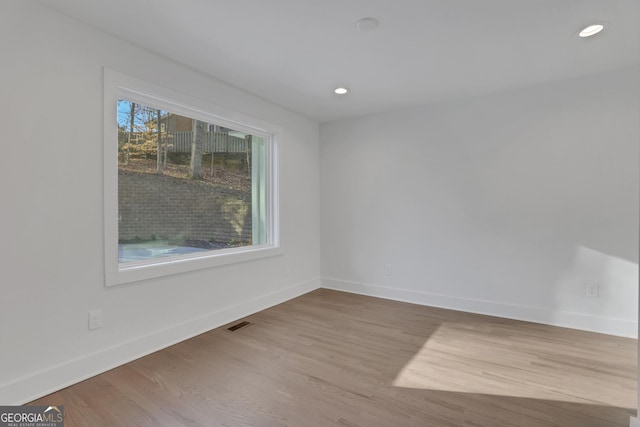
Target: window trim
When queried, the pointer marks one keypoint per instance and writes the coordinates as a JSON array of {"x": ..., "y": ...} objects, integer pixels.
[{"x": 117, "y": 86}]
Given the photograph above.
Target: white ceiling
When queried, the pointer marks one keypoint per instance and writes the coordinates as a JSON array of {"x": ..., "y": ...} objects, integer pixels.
[{"x": 294, "y": 52}]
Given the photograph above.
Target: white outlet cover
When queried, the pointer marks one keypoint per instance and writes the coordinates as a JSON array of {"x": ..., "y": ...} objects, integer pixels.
[
  {"x": 592, "y": 290},
  {"x": 95, "y": 319}
]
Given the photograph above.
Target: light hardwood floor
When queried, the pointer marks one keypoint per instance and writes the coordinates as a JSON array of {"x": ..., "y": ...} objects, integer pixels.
[{"x": 329, "y": 358}]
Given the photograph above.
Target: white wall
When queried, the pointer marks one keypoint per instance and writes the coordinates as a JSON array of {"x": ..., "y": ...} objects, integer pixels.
[
  {"x": 52, "y": 211},
  {"x": 507, "y": 204}
]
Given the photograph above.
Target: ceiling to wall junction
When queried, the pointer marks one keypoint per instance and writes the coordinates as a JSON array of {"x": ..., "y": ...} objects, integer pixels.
[{"x": 295, "y": 52}]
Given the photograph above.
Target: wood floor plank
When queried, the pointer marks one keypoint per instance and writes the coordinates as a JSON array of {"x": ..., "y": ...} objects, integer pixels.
[{"x": 330, "y": 358}]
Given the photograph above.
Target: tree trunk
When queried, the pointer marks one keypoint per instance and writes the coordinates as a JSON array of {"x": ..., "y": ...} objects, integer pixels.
[
  {"x": 132, "y": 114},
  {"x": 197, "y": 143},
  {"x": 248, "y": 138},
  {"x": 159, "y": 150}
]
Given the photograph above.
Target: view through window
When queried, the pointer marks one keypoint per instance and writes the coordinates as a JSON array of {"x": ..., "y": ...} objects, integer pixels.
[{"x": 186, "y": 186}]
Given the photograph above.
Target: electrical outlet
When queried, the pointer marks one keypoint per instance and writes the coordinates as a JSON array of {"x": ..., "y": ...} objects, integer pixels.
[
  {"x": 95, "y": 319},
  {"x": 387, "y": 269},
  {"x": 592, "y": 290},
  {"x": 287, "y": 269}
]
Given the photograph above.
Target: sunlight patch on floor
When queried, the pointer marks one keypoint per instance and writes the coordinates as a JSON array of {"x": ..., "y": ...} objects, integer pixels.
[{"x": 507, "y": 360}]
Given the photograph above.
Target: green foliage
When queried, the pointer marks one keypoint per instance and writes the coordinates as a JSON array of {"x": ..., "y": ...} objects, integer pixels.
[{"x": 239, "y": 242}]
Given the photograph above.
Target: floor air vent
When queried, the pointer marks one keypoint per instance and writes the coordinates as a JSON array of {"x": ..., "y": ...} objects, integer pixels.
[{"x": 239, "y": 326}]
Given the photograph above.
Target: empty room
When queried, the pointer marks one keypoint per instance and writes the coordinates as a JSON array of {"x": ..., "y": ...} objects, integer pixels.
[{"x": 320, "y": 213}]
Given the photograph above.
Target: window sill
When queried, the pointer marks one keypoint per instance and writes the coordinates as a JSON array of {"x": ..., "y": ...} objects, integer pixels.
[{"x": 137, "y": 271}]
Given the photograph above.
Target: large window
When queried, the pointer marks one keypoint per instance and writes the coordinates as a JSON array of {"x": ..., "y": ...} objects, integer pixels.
[{"x": 186, "y": 186}]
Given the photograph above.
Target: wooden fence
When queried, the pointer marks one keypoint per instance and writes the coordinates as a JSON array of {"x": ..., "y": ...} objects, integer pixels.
[{"x": 216, "y": 142}]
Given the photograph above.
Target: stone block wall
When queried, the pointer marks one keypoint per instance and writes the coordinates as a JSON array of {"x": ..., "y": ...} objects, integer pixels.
[{"x": 159, "y": 207}]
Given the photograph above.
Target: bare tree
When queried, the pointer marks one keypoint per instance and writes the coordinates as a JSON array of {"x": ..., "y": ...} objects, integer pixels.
[
  {"x": 248, "y": 138},
  {"x": 159, "y": 162},
  {"x": 132, "y": 115},
  {"x": 197, "y": 144}
]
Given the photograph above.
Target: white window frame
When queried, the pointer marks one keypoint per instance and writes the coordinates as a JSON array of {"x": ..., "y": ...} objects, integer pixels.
[{"x": 121, "y": 86}]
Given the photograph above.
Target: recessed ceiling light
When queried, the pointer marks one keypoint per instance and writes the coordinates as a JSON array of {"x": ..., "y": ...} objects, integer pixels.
[
  {"x": 367, "y": 24},
  {"x": 591, "y": 30},
  {"x": 341, "y": 91}
]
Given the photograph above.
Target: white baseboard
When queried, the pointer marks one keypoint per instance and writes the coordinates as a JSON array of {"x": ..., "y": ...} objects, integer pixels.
[
  {"x": 580, "y": 321},
  {"x": 57, "y": 377},
  {"x": 634, "y": 422}
]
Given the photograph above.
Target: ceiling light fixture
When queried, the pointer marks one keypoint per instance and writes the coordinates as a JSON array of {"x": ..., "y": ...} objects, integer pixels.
[
  {"x": 367, "y": 24},
  {"x": 591, "y": 30},
  {"x": 341, "y": 91}
]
